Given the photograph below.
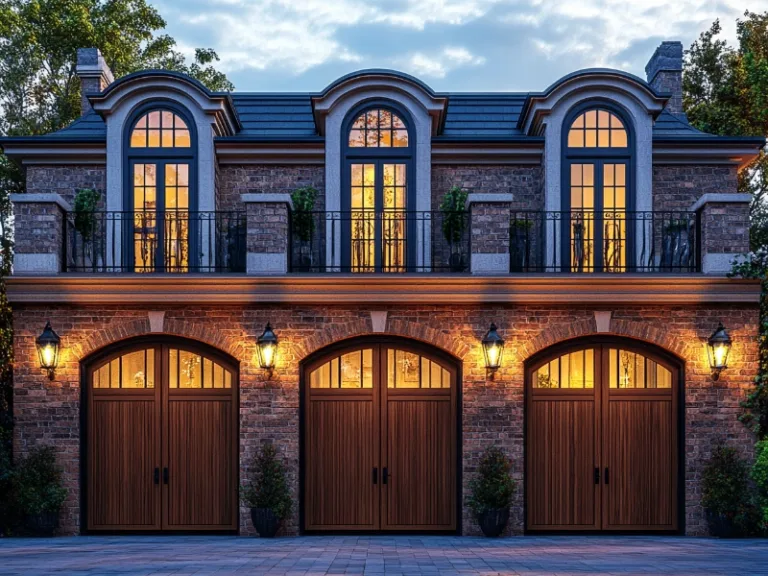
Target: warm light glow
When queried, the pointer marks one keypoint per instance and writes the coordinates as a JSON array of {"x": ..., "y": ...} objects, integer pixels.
[
  {"x": 720, "y": 356},
  {"x": 718, "y": 347},
  {"x": 494, "y": 355},
  {"x": 48, "y": 355},
  {"x": 493, "y": 348},
  {"x": 268, "y": 355},
  {"x": 267, "y": 348},
  {"x": 48, "y": 350}
]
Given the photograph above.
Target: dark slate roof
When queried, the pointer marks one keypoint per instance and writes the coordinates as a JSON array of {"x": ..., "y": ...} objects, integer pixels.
[
  {"x": 668, "y": 124},
  {"x": 89, "y": 126},
  {"x": 275, "y": 115},
  {"x": 478, "y": 116}
]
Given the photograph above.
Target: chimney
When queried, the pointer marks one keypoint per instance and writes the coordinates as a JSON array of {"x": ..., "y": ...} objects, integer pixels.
[
  {"x": 665, "y": 73},
  {"x": 94, "y": 75}
]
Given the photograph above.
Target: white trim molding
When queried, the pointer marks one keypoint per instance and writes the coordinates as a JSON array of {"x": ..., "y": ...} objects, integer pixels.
[
  {"x": 41, "y": 198},
  {"x": 720, "y": 198}
]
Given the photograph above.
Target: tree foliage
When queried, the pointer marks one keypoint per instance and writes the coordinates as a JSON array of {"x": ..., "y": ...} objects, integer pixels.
[{"x": 725, "y": 92}]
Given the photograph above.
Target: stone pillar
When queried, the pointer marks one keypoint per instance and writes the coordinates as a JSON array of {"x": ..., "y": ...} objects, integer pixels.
[
  {"x": 665, "y": 73},
  {"x": 724, "y": 229},
  {"x": 94, "y": 75},
  {"x": 268, "y": 217},
  {"x": 489, "y": 216},
  {"x": 39, "y": 229}
]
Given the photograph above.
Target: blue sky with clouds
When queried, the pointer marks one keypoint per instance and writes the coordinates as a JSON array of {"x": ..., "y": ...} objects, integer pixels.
[{"x": 453, "y": 45}]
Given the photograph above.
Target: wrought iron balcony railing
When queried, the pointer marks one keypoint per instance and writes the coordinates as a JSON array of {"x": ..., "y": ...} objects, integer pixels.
[
  {"x": 390, "y": 241},
  {"x": 173, "y": 241},
  {"x": 613, "y": 241}
]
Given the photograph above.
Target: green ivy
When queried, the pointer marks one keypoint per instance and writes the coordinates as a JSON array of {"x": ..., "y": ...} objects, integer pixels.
[
  {"x": 493, "y": 487},
  {"x": 453, "y": 208},
  {"x": 85, "y": 204},
  {"x": 755, "y": 415},
  {"x": 269, "y": 485},
  {"x": 303, "y": 204}
]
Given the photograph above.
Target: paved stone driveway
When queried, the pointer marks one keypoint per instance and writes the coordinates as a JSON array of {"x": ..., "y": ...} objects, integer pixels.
[{"x": 381, "y": 555}]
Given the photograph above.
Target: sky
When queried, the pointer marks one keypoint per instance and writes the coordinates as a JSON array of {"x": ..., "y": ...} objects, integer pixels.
[{"x": 452, "y": 45}]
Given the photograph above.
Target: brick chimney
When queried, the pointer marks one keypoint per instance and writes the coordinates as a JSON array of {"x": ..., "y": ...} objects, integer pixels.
[
  {"x": 94, "y": 75},
  {"x": 665, "y": 73}
]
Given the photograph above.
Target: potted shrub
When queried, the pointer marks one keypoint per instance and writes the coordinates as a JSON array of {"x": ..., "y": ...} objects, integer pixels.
[
  {"x": 38, "y": 493},
  {"x": 303, "y": 224},
  {"x": 491, "y": 491},
  {"x": 86, "y": 201},
  {"x": 519, "y": 243},
  {"x": 760, "y": 478},
  {"x": 455, "y": 220},
  {"x": 267, "y": 495},
  {"x": 725, "y": 493}
]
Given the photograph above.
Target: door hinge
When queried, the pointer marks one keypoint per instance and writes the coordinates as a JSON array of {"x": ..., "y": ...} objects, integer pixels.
[{"x": 597, "y": 475}]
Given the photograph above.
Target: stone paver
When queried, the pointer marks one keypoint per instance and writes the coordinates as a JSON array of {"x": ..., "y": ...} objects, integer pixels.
[{"x": 397, "y": 555}]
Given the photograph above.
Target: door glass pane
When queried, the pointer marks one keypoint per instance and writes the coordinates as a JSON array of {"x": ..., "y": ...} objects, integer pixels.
[
  {"x": 350, "y": 370},
  {"x": 144, "y": 216},
  {"x": 190, "y": 370},
  {"x": 130, "y": 371},
  {"x": 363, "y": 217},
  {"x": 394, "y": 218},
  {"x": 614, "y": 218},
  {"x": 582, "y": 216},
  {"x": 571, "y": 370},
  {"x": 410, "y": 370},
  {"x": 176, "y": 253},
  {"x": 632, "y": 370}
]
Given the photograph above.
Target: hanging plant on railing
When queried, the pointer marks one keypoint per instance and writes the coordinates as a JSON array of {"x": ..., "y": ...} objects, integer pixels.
[
  {"x": 455, "y": 221},
  {"x": 85, "y": 204},
  {"x": 303, "y": 224}
]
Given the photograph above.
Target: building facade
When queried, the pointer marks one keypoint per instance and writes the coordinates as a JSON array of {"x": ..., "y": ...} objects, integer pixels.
[{"x": 589, "y": 222}]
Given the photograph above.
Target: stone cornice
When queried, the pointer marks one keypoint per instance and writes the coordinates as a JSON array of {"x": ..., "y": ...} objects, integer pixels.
[{"x": 549, "y": 289}]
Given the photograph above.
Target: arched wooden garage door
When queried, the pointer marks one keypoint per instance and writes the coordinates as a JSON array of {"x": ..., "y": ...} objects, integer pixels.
[
  {"x": 601, "y": 438},
  {"x": 161, "y": 438},
  {"x": 380, "y": 439}
]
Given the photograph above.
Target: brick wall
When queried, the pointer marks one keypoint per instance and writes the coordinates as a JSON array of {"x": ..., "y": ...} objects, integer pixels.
[
  {"x": 66, "y": 180},
  {"x": 526, "y": 183},
  {"x": 678, "y": 187},
  {"x": 492, "y": 410},
  {"x": 234, "y": 180}
]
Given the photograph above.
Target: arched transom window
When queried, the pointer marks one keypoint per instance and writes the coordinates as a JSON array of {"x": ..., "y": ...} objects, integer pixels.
[
  {"x": 160, "y": 129},
  {"x": 378, "y": 128},
  {"x": 597, "y": 129}
]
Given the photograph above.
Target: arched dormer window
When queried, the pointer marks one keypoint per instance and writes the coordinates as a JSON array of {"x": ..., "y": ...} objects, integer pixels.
[
  {"x": 597, "y": 191},
  {"x": 160, "y": 192},
  {"x": 379, "y": 227}
]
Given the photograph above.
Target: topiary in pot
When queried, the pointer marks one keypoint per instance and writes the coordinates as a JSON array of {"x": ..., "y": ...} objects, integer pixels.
[
  {"x": 303, "y": 224},
  {"x": 267, "y": 494},
  {"x": 37, "y": 491},
  {"x": 455, "y": 220},
  {"x": 726, "y": 495},
  {"x": 491, "y": 491},
  {"x": 86, "y": 201}
]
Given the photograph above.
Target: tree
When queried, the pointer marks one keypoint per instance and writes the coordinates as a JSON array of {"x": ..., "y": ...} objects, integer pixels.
[{"x": 725, "y": 91}]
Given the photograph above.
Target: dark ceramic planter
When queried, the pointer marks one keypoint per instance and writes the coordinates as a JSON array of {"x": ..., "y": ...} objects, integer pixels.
[
  {"x": 493, "y": 522},
  {"x": 721, "y": 525},
  {"x": 43, "y": 524},
  {"x": 265, "y": 521}
]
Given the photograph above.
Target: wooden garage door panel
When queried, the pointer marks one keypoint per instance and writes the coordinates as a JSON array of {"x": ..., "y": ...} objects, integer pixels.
[
  {"x": 123, "y": 457},
  {"x": 341, "y": 457},
  {"x": 562, "y": 492},
  {"x": 200, "y": 491},
  {"x": 640, "y": 449},
  {"x": 420, "y": 491}
]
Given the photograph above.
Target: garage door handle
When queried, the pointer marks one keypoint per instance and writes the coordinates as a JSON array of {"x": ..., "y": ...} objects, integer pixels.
[
  {"x": 606, "y": 475},
  {"x": 165, "y": 475},
  {"x": 375, "y": 475},
  {"x": 384, "y": 475},
  {"x": 157, "y": 475},
  {"x": 597, "y": 475}
]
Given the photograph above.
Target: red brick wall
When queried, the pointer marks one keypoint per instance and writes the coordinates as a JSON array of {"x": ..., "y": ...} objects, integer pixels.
[
  {"x": 66, "y": 180},
  {"x": 526, "y": 183},
  {"x": 492, "y": 412},
  {"x": 678, "y": 187}
]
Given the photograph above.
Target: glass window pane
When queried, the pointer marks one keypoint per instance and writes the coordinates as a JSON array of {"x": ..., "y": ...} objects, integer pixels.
[
  {"x": 351, "y": 370},
  {"x": 576, "y": 379},
  {"x": 218, "y": 376},
  {"x": 189, "y": 366},
  {"x": 139, "y": 139},
  {"x": 173, "y": 368},
  {"x": 207, "y": 373},
  {"x": 114, "y": 373},
  {"x": 368, "y": 368},
  {"x": 154, "y": 119},
  {"x": 435, "y": 379},
  {"x": 154, "y": 138},
  {"x": 133, "y": 370},
  {"x": 576, "y": 138},
  {"x": 183, "y": 139},
  {"x": 618, "y": 139}
]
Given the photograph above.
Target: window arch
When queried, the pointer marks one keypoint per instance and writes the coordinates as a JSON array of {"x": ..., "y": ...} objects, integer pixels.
[
  {"x": 598, "y": 195},
  {"x": 378, "y": 190},
  {"x": 160, "y": 195}
]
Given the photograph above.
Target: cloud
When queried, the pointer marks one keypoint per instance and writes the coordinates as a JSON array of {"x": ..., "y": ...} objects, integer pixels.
[{"x": 439, "y": 64}]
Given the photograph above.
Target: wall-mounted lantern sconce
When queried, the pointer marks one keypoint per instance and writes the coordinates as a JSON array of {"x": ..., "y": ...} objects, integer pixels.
[
  {"x": 48, "y": 350},
  {"x": 718, "y": 347},
  {"x": 493, "y": 348},
  {"x": 267, "y": 348}
]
